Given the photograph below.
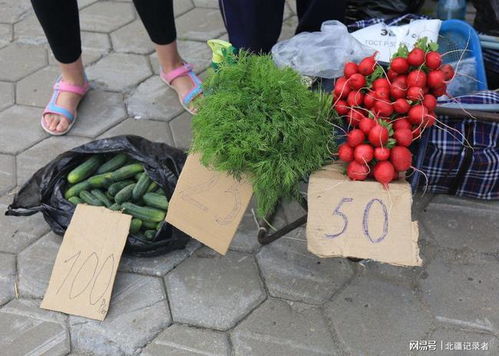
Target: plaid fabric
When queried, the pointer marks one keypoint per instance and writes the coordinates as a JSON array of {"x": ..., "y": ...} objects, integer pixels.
[
  {"x": 481, "y": 97},
  {"x": 491, "y": 59}
]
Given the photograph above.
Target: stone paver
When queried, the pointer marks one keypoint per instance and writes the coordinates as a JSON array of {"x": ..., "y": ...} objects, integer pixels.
[
  {"x": 13, "y": 10},
  {"x": 196, "y": 53},
  {"x": 182, "y": 6},
  {"x": 35, "y": 266},
  {"x": 200, "y": 24},
  {"x": 455, "y": 227},
  {"x": 181, "y": 128},
  {"x": 98, "y": 112},
  {"x": 283, "y": 328},
  {"x": 138, "y": 312},
  {"x": 153, "y": 99},
  {"x": 6, "y": 95},
  {"x": 37, "y": 88},
  {"x": 94, "y": 46},
  {"x": 206, "y": 3},
  {"x": 7, "y": 173},
  {"x": 17, "y": 61},
  {"x": 5, "y": 34},
  {"x": 293, "y": 273},
  {"x": 152, "y": 130},
  {"x": 106, "y": 16},
  {"x": 184, "y": 340},
  {"x": 18, "y": 119},
  {"x": 119, "y": 71},
  {"x": 42, "y": 153},
  {"x": 489, "y": 345},
  {"x": 17, "y": 233},
  {"x": 374, "y": 317},
  {"x": 25, "y": 329},
  {"x": 7, "y": 277},
  {"x": 160, "y": 265},
  {"x": 132, "y": 38},
  {"x": 463, "y": 292},
  {"x": 29, "y": 31},
  {"x": 212, "y": 291}
]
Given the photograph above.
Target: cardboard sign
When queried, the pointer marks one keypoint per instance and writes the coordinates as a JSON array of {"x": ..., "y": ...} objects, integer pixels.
[
  {"x": 361, "y": 219},
  {"x": 86, "y": 264},
  {"x": 208, "y": 205}
]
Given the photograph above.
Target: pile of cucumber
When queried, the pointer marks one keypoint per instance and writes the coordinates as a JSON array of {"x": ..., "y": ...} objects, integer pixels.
[{"x": 121, "y": 184}]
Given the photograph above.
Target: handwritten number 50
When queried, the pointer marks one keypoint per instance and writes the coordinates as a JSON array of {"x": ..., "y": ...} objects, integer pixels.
[{"x": 365, "y": 220}]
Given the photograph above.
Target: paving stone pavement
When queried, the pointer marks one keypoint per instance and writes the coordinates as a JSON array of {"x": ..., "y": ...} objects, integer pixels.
[{"x": 256, "y": 300}]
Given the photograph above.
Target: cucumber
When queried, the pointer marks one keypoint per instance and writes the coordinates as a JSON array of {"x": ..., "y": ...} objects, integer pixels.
[
  {"x": 84, "y": 170},
  {"x": 135, "y": 225},
  {"x": 124, "y": 194},
  {"x": 75, "y": 200},
  {"x": 137, "y": 176},
  {"x": 99, "y": 181},
  {"x": 141, "y": 187},
  {"x": 116, "y": 187},
  {"x": 143, "y": 212},
  {"x": 153, "y": 186},
  {"x": 89, "y": 198},
  {"x": 115, "y": 207},
  {"x": 76, "y": 189},
  {"x": 156, "y": 200},
  {"x": 126, "y": 172},
  {"x": 113, "y": 164},
  {"x": 150, "y": 234},
  {"x": 150, "y": 224},
  {"x": 102, "y": 197},
  {"x": 109, "y": 196},
  {"x": 160, "y": 191}
]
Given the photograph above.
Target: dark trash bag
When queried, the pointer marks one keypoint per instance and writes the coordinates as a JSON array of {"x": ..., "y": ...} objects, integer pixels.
[
  {"x": 44, "y": 191},
  {"x": 366, "y": 9}
]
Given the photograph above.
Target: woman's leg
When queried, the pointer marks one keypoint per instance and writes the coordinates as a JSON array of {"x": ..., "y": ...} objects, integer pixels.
[
  {"x": 60, "y": 22},
  {"x": 159, "y": 21}
]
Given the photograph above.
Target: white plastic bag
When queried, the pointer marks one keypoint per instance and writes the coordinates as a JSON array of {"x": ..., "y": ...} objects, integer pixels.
[{"x": 320, "y": 54}]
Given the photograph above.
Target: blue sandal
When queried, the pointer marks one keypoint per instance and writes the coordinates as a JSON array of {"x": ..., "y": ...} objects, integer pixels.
[{"x": 185, "y": 70}]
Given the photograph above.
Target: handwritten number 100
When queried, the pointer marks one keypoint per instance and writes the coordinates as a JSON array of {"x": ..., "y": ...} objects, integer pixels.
[{"x": 365, "y": 220}]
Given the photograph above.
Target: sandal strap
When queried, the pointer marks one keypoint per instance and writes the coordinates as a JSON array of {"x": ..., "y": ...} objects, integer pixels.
[
  {"x": 177, "y": 72},
  {"x": 59, "y": 110},
  {"x": 71, "y": 88},
  {"x": 195, "y": 91}
]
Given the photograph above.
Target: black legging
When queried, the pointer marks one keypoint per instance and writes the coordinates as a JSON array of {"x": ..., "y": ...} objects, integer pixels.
[{"x": 61, "y": 24}]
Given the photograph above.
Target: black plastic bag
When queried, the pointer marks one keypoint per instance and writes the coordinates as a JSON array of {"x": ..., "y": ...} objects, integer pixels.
[
  {"x": 387, "y": 9},
  {"x": 44, "y": 191}
]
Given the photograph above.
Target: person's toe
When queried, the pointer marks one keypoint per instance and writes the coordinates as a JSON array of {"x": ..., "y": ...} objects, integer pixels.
[
  {"x": 53, "y": 121},
  {"x": 63, "y": 125}
]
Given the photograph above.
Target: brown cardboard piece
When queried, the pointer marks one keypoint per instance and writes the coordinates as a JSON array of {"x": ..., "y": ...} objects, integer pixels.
[
  {"x": 361, "y": 219},
  {"x": 208, "y": 205},
  {"x": 86, "y": 264}
]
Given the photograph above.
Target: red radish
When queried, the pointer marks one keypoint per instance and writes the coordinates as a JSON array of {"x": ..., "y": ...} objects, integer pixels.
[
  {"x": 399, "y": 87},
  {"x": 369, "y": 100},
  {"x": 436, "y": 79},
  {"x": 401, "y": 158},
  {"x": 448, "y": 71},
  {"x": 402, "y": 123},
  {"x": 355, "y": 137},
  {"x": 395, "y": 175},
  {"x": 402, "y": 79},
  {"x": 354, "y": 117},
  {"x": 381, "y": 153},
  {"x": 382, "y": 108},
  {"x": 363, "y": 153},
  {"x": 401, "y": 106},
  {"x": 366, "y": 66},
  {"x": 415, "y": 93},
  {"x": 426, "y": 90},
  {"x": 430, "y": 102},
  {"x": 382, "y": 93},
  {"x": 350, "y": 68},
  {"x": 417, "y": 114},
  {"x": 378, "y": 136},
  {"x": 345, "y": 153},
  {"x": 341, "y": 88},
  {"x": 381, "y": 82},
  {"x": 433, "y": 60},
  {"x": 357, "y": 171},
  {"x": 439, "y": 91},
  {"x": 355, "y": 98},
  {"x": 391, "y": 74},
  {"x": 357, "y": 81},
  {"x": 416, "y": 57},
  {"x": 366, "y": 124},
  {"x": 341, "y": 107},
  {"x": 399, "y": 65},
  {"x": 416, "y": 132},
  {"x": 403, "y": 137},
  {"x": 430, "y": 119},
  {"x": 384, "y": 172},
  {"x": 416, "y": 78}
]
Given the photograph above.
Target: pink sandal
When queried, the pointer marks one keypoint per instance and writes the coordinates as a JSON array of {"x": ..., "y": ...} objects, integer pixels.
[
  {"x": 52, "y": 108},
  {"x": 187, "y": 70}
]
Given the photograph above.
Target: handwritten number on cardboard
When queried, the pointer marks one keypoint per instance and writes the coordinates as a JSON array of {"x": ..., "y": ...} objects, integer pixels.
[{"x": 365, "y": 220}]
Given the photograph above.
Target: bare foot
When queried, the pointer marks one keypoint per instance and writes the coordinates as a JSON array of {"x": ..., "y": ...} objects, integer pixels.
[{"x": 56, "y": 122}]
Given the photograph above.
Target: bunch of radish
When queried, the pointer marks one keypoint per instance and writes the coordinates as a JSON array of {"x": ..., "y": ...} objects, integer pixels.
[{"x": 387, "y": 110}]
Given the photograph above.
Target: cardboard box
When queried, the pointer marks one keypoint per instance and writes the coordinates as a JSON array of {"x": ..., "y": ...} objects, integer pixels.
[{"x": 361, "y": 219}]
